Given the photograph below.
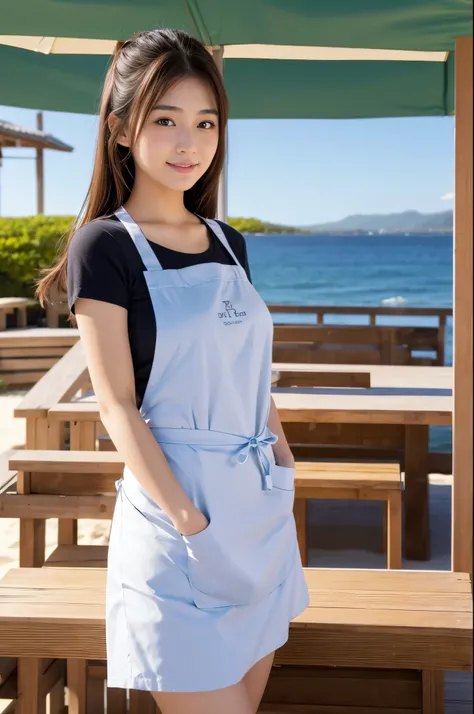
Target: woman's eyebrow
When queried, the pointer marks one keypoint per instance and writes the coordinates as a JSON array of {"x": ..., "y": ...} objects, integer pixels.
[{"x": 170, "y": 108}]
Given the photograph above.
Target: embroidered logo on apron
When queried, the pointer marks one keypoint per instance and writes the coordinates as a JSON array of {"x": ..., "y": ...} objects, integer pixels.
[{"x": 230, "y": 313}]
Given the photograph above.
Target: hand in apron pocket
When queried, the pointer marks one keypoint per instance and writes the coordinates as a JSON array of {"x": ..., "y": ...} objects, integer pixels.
[{"x": 230, "y": 565}]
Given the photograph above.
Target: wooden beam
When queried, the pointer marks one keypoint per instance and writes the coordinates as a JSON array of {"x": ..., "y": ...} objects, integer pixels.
[
  {"x": 463, "y": 332},
  {"x": 218, "y": 55},
  {"x": 39, "y": 169}
]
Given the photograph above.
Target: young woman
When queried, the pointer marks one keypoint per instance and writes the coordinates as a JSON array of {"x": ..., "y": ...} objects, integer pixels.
[{"x": 204, "y": 573}]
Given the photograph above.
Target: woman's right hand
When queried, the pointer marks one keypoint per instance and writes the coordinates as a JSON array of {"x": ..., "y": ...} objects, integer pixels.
[{"x": 196, "y": 523}]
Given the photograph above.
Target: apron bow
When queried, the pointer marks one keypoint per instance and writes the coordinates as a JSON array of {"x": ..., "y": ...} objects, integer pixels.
[{"x": 257, "y": 443}]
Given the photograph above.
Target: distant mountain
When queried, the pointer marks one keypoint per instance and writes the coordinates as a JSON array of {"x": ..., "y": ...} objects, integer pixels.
[{"x": 407, "y": 222}]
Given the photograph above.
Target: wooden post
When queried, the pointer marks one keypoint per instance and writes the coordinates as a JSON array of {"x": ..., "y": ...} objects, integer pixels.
[
  {"x": 417, "y": 525},
  {"x": 39, "y": 169},
  {"x": 218, "y": 55},
  {"x": 462, "y": 320}
]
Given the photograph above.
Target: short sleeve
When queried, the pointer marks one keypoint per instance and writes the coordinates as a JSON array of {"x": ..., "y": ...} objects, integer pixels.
[
  {"x": 238, "y": 245},
  {"x": 96, "y": 267}
]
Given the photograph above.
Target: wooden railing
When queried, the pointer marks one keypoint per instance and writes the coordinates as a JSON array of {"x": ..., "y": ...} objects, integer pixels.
[{"x": 390, "y": 344}]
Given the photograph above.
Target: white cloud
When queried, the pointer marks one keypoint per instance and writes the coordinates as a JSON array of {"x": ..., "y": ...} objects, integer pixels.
[{"x": 448, "y": 196}]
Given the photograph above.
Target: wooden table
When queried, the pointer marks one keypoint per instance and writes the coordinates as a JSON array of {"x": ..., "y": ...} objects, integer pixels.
[
  {"x": 405, "y": 400},
  {"x": 12, "y": 304},
  {"x": 384, "y": 375},
  {"x": 398, "y": 414}
]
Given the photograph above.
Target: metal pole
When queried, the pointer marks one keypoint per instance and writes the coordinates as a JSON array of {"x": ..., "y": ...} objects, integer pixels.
[{"x": 218, "y": 55}]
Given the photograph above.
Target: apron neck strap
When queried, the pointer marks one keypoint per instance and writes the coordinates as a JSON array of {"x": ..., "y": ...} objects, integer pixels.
[
  {"x": 142, "y": 245},
  {"x": 214, "y": 226}
]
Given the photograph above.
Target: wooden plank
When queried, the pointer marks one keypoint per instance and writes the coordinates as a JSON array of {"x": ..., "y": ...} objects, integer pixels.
[
  {"x": 80, "y": 484},
  {"x": 81, "y": 556},
  {"x": 401, "y": 376},
  {"x": 387, "y": 436},
  {"x": 7, "y": 474},
  {"x": 32, "y": 351},
  {"x": 356, "y": 310},
  {"x": 38, "y": 506},
  {"x": 13, "y": 302},
  {"x": 394, "y": 531},
  {"x": 61, "y": 383},
  {"x": 355, "y": 636},
  {"x": 30, "y": 700},
  {"x": 311, "y": 354},
  {"x": 432, "y": 692},
  {"x": 320, "y": 407},
  {"x": 342, "y": 687},
  {"x": 27, "y": 364},
  {"x": 323, "y": 379},
  {"x": 77, "y": 686},
  {"x": 463, "y": 322},
  {"x": 116, "y": 701},
  {"x": 22, "y": 378},
  {"x": 54, "y": 461}
]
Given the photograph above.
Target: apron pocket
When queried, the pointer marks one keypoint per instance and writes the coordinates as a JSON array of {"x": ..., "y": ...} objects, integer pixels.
[
  {"x": 215, "y": 581},
  {"x": 283, "y": 477},
  {"x": 216, "y": 577}
]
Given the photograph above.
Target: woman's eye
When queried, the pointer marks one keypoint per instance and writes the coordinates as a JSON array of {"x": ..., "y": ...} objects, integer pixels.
[
  {"x": 158, "y": 121},
  {"x": 211, "y": 124}
]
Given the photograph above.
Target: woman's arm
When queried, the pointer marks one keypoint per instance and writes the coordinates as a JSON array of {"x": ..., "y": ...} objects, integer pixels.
[
  {"x": 103, "y": 330},
  {"x": 283, "y": 455}
]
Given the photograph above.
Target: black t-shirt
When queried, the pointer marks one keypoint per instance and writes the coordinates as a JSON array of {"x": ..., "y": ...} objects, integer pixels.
[{"x": 104, "y": 264}]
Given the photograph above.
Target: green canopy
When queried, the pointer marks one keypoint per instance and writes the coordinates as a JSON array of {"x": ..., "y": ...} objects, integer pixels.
[
  {"x": 390, "y": 24},
  {"x": 257, "y": 88}
]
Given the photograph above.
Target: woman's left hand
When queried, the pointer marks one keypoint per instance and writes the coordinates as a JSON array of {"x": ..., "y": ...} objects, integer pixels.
[{"x": 287, "y": 461}]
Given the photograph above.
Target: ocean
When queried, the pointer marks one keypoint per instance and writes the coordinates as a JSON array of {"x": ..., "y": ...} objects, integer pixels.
[{"x": 410, "y": 271}]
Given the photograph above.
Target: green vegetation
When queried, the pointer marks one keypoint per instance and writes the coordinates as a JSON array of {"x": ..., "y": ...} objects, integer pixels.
[
  {"x": 28, "y": 245},
  {"x": 255, "y": 225}
]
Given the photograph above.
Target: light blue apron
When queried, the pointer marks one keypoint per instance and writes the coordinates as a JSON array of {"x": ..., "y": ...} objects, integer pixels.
[{"x": 194, "y": 613}]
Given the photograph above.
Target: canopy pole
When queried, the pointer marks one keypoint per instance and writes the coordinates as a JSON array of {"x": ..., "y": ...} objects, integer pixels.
[
  {"x": 463, "y": 321},
  {"x": 218, "y": 55},
  {"x": 39, "y": 170}
]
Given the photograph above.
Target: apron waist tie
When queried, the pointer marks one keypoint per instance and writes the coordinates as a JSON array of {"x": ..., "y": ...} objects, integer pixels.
[{"x": 207, "y": 437}]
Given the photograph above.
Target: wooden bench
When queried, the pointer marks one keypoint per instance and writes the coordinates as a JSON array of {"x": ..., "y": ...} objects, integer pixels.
[
  {"x": 376, "y": 481},
  {"x": 354, "y": 344},
  {"x": 370, "y": 641},
  {"x": 27, "y": 354},
  {"x": 81, "y": 484},
  {"x": 9, "y": 305}
]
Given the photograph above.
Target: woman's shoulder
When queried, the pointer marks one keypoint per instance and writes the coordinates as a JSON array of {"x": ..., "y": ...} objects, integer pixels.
[
  {"x": 104, "y": 236},
  {"x": 99, "y": 230}
]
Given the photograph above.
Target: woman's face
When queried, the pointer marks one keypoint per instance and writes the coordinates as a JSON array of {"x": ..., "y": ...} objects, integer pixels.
[{"x": 180, "y": 137}]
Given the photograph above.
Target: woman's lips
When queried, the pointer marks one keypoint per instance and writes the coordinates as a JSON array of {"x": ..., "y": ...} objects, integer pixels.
[{"x": 182, "y": 168}]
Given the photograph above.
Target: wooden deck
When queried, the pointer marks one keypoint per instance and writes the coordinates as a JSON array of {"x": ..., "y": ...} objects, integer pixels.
[{"x": 348, "y": 535}]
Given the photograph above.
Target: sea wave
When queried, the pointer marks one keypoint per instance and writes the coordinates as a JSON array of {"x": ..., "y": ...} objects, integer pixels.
[{"x": 397, "y": 300}]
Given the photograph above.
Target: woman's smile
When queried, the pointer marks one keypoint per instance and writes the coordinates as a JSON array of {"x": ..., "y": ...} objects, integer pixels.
[{"x": 182, "y": 168}]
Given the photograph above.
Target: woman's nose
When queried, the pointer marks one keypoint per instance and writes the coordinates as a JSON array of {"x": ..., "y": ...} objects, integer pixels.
[{"x": 186, "y": 141}]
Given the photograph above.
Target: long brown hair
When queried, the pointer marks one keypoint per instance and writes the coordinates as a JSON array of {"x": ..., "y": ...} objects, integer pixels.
[{"x": 142, "y": 70}]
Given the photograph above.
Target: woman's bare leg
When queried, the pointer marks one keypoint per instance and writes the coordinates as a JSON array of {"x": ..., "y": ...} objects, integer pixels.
[
  {"x": 231, "y": 700},
  {"x": 256, "y": 680}
]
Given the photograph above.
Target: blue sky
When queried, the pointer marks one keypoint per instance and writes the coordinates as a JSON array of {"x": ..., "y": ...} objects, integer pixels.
[{"x": 295, "y": 172}]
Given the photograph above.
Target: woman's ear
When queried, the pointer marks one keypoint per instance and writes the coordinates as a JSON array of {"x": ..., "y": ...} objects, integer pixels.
[{"x": 122, "y": 138}]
